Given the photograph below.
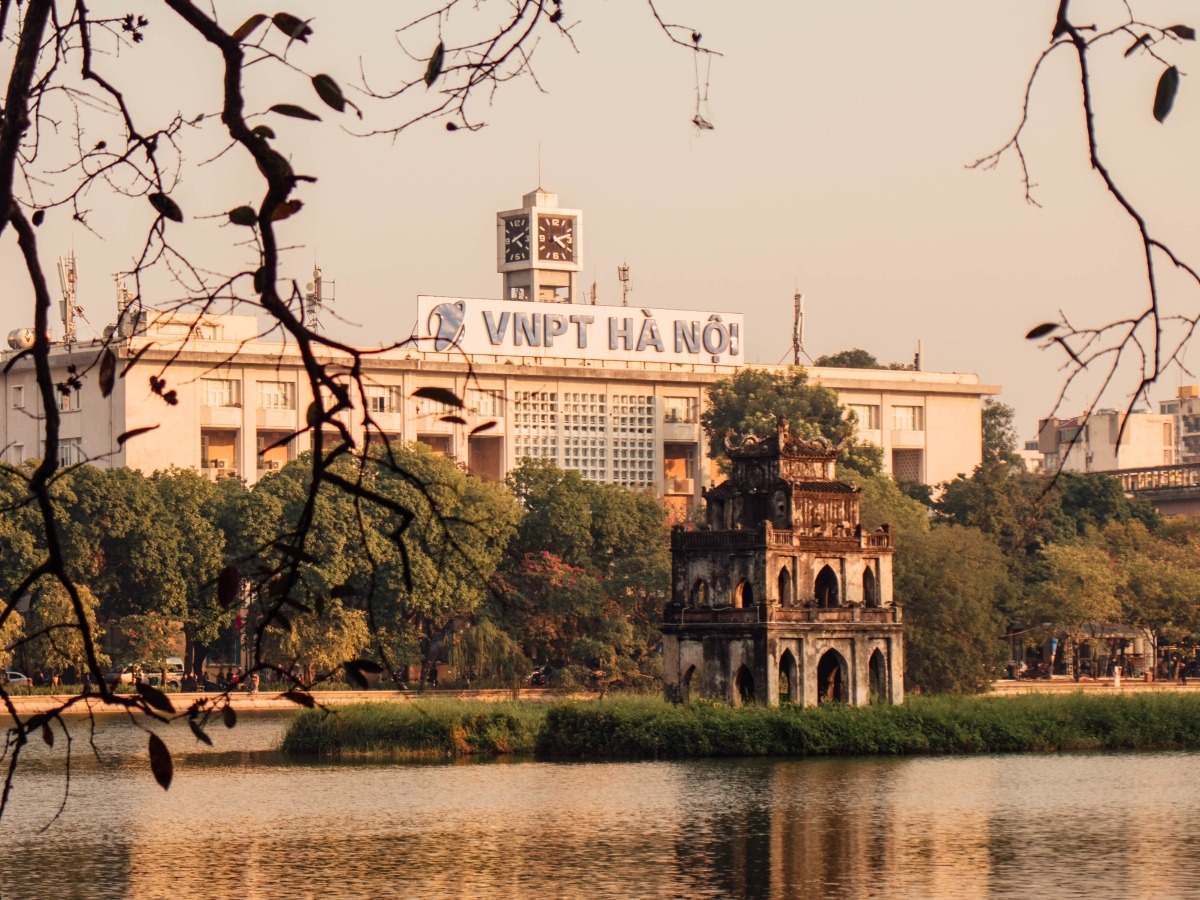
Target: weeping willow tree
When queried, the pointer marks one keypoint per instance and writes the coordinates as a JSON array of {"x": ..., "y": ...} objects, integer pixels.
[{"x": 494, "y": 656}]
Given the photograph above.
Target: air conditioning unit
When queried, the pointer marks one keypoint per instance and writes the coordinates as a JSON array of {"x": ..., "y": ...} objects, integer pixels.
[
  {"x": 271, "y": 464},
  {"x": 684, "y": 485},
  {"x": 218, "y": 463}
]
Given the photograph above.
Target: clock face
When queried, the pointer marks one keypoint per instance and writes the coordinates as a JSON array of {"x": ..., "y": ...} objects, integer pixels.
[
  {"x": 556, "y": 238},
  {"x": 516, "y": 239}
]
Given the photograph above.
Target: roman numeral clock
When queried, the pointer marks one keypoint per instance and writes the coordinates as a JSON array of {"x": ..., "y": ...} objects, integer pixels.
[{"x": 539, "y": 250}]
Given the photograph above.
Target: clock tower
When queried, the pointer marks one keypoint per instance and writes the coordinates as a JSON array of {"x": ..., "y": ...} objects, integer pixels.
[{"x": 539, "y": 250}]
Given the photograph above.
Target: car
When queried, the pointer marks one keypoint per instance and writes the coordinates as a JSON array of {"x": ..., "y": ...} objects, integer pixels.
[
  {"x": 16, "y": 679},
  {"x": 132, "y": 672}
]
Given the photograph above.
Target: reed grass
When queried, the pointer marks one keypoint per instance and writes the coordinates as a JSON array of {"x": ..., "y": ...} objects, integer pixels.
[{"x": 640, "y": 727}]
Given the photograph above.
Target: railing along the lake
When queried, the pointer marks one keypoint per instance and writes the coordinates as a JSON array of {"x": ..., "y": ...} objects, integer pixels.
[{"x": 1157, "y": 478}]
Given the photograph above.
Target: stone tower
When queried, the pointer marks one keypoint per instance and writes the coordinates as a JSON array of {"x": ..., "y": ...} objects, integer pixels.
[{"x": 782, "y": 595}]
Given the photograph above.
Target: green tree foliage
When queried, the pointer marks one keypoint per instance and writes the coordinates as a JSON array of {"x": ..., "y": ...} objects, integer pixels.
[
  {"x": 754, "y": 401},
  {"x": 953, "y": 583},
  {"x": 588, "y": 573},
  {"x": 849, "y": 359},
  {"x": 1077, "y": 591},
  {"x": 999, "y": 433},
  {"x": 409, "y": 574},
  {"x": 53, "y": 637},
  {"x": 319, "y": 644}
]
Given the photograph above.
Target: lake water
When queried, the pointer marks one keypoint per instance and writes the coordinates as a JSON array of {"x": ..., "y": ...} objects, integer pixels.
[{"x": 245, "y": 823}]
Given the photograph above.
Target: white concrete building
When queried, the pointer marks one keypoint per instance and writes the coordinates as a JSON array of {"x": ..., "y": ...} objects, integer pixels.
[
  {"x": 614, "y": 392},
  {"x": 1091, "y": 444}
]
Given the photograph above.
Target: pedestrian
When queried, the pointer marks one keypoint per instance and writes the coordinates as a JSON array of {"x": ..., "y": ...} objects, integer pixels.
[{"x": 254, "y": 683}]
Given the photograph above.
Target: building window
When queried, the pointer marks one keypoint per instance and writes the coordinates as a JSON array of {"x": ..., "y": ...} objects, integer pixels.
[
  {"x": 486, "y": 403},
  {"x": 220, "y": 392},
  {"x": 68, "y": 399},
  {"x": 18, "y": 396},
  {"x": 681, "y": 410},
  {"x": 868, "y": 416},
  {"x": 276, "y": 395},
  {"x": 907, "y": 418},
  {"x": 382, "y": 398},
  {"x": 70, "y": 452},
  {"x": 16, "y": 454}
]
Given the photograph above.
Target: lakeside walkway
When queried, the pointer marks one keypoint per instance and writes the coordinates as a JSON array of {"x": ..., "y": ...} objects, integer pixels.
[
  {"x": 1062, "y": 684},
  {"x": 241, "y": 701}
]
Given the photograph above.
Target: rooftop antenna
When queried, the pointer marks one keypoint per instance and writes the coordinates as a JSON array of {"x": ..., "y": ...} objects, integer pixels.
[
  {"x": 623, "y": 274},
  {"x": 314, "y": 299},
  {"x": 67, "y": 276},
  {"x": 798, "y": 329},
  {"x": 917, "y": 357},
  {"x": 592, "y": 294}
]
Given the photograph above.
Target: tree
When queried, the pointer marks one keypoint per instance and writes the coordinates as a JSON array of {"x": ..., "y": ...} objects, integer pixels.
[
  {"x": 953, "y": 583},
  {"x": 53, "y": 638},
  {"x": 1077, "y": 591},
  {"x": 849, "y": 359},
  {"x": 999, "y": 433},
  {"x": 122, "y": 156},
  {"x": 754, "y": 401}
]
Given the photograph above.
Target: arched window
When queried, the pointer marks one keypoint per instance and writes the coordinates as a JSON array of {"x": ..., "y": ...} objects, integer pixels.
[
  {"x": 744, "y": 595},
  {"x": 827, "y": 588},
  {"x": 743, "y": 687},
  {"x": 785, "y": 587},
  {"x": 789, "y": 679},
  {"x": 699, "y": 593},
  {"x": 878, "y": 675},
  {"x": 870, "y": 588},
  {"x": 831, "y": 678}
]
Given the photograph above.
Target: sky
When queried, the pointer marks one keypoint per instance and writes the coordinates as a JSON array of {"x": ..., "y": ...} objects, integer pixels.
[{"x": 837, "y": 166}]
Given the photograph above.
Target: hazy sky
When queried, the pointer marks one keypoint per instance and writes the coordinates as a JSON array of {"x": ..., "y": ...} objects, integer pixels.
[{"x": 837, "y": 166}]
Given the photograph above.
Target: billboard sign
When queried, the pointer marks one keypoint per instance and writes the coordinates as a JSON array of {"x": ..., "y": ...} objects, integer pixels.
[{"x": 575, "y": 331}]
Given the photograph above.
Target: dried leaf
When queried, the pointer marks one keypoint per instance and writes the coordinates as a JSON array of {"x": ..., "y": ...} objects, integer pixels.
[
  {"x": 1186, "y": 32},
  {"x": 47, "y": 734},
  {"x": 199, "y": 732},
  {"x": 486, "y": 426},
  {"x": 296, "y": 29},
  {"x": 439, "y": 395},
  {"x": 165, "y": 206},
  {"x": 154, "y": 697},
  {"x": 454, "y": 420},
  {"x": 134, "y": 432},
  {"x": 1164, "y": 96},
  {"x": 229, "y": 716},
  {"x": 244, "y": 215},
  {"x": 247, "y": 28},
  {"x": 39, "y": 216},
  {"x": 229, "y": 586},
  {"x": 296, "y": 112},
  {"x": 286, "y": 210},
  {"x": 329, "y": 91},
  {"x": 264, "y": 131},
  {"x": 1041, "y": 331},
  {"x": 108, "y": 372},
  {"x": 160, "y": 762},
  {"x": 434, "y": 69}
]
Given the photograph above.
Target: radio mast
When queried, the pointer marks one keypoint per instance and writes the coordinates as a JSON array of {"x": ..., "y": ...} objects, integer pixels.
[
  {"x": 798, "y": 329},
  {"x": 67, "y": 276},
  {"x": 623, "y": 274}
]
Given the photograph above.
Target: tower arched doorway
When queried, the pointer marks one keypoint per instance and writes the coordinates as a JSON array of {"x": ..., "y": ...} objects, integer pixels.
[
  {"x": 789, "y": 679},
  {"x": 744, "y": 595},
  {"x": 827, "y": 588},
  {"x": 877, "y": 674},
  {"x": 699, "y": 596},
  {"x": 832, "y": 685},
  {"x": 743, "y": 687},
  {"x": 685, "y": 685}
]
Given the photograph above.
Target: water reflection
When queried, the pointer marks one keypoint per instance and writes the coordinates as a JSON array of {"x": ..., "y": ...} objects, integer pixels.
[{"x": 248, "y": 824}]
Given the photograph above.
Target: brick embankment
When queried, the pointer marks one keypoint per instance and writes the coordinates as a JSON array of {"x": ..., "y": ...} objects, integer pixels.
[
  {"x": 1007, "y": 687},
  {"x": 272, "y": 700}
]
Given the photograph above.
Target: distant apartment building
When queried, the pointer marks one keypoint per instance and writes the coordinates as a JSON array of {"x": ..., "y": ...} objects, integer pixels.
[
  {"x": 1184, "y": 407},
  {"x": 1097, "y": 443}
]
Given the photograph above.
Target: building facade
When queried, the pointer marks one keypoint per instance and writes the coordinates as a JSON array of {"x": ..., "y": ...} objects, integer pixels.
[
  {"x": 782, "y": 595},
  {"x": 615, "y": 393},
  {"x": 1097, "y": 443}
]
